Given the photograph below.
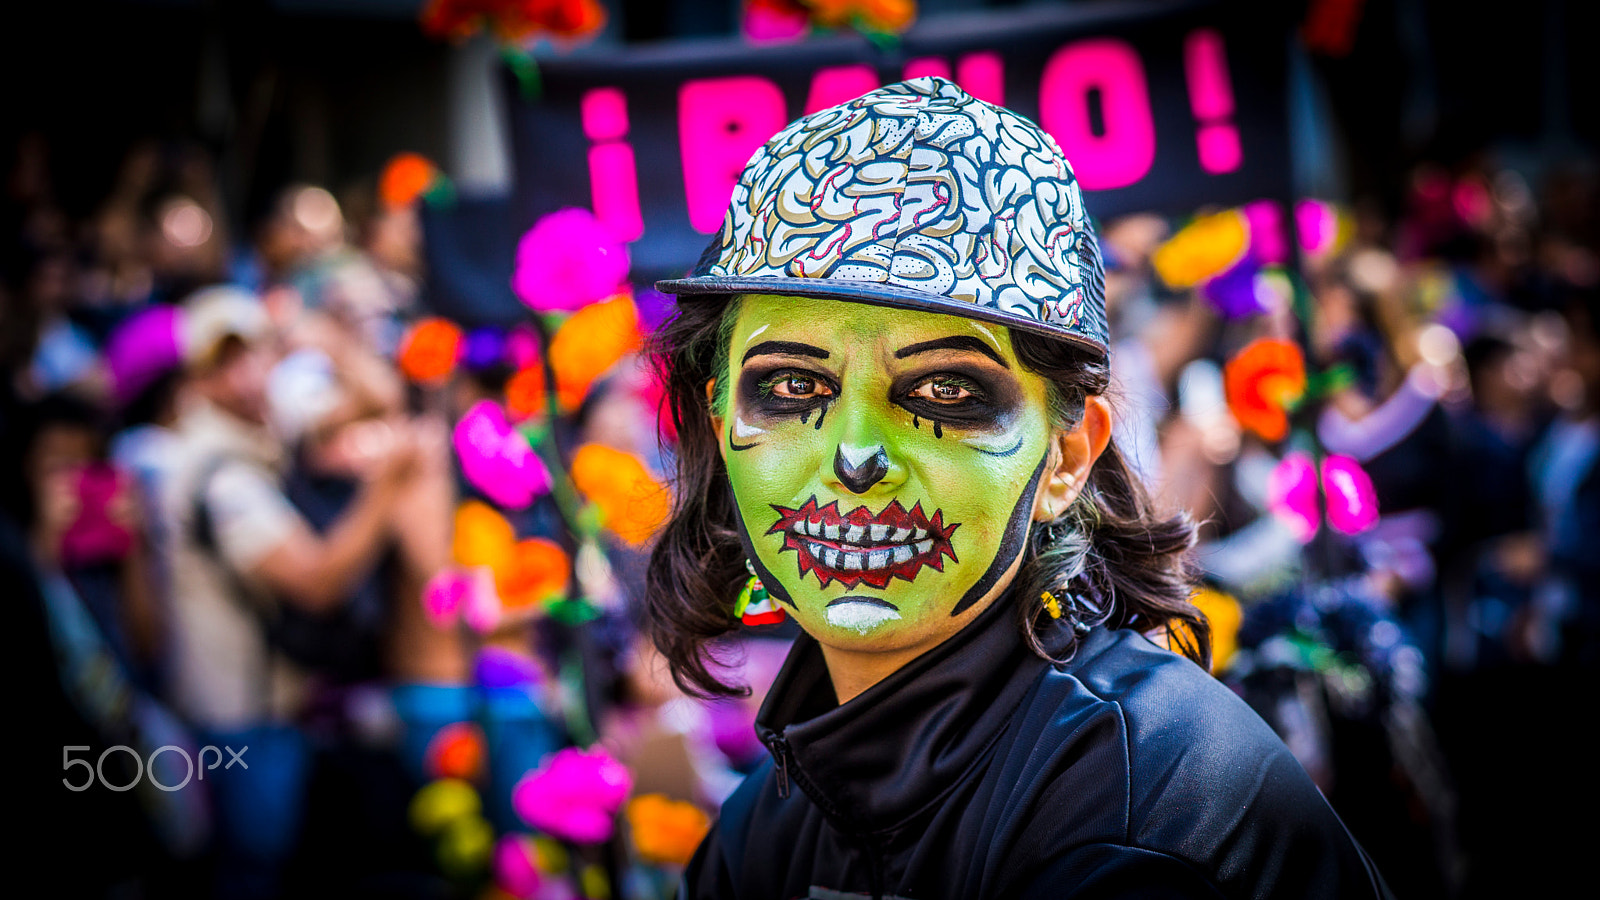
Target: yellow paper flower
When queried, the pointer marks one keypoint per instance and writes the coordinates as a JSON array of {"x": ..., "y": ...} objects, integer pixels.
[
  {"x": 633, "y": 504},
  {"x": 1203, "y": 249},
  {"x": 666, "y": 831},
  {"x": 483, "y": 537},
  {"x": 1225, "y": 615},
  {"x": 441, "y": 802}
]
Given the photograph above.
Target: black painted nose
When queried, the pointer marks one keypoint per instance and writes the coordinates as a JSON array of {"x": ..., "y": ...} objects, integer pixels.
[{"x": 860, "y": 476}]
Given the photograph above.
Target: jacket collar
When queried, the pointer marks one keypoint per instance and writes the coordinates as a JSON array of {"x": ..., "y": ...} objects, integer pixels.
[{"x": 874, "y": 762}]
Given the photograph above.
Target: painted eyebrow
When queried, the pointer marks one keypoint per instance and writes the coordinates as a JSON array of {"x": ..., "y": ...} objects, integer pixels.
[
  {"x": 954, "y": 342},
  {"x": 790, "y": 348}
]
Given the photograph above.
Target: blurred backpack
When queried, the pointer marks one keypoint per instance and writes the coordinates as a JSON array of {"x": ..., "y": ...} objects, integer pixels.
[{"x": 344, "y": 644}]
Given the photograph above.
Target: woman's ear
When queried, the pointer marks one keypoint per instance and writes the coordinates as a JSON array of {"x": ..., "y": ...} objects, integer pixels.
[
  {"x": 716, "y": 418},
  {"x": 1073, "y": 454}
]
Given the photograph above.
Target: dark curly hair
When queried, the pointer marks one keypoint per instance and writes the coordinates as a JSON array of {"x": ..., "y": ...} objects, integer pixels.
[{"x": 1109, "y": 558}]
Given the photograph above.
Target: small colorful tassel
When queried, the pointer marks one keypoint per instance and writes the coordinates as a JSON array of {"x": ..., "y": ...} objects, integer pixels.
[
  {"x": 1051, "y": 604},
  {"x": 755, "y": 606}
]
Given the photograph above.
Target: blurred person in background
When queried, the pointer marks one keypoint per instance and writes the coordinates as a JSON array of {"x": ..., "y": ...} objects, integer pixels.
[{"x": 243, "y": 562}]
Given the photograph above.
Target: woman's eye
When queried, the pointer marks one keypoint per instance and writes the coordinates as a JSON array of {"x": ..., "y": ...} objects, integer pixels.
[
  {"x": 795, "y": 386},
  {"x": 942, "y": 390}
]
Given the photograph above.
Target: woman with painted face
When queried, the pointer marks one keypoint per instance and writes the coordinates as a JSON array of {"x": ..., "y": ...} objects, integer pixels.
[{"x": 887, "y": 376}]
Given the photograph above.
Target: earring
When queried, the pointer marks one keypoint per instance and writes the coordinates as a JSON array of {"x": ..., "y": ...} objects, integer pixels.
[
  {"x": 755, "y": 606},
  {"x": 1051, "y": 604}
]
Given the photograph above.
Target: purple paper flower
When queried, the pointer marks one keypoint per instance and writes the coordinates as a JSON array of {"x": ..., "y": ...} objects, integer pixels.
[
  {"x": 484, "y": 348},
  {"x": 497, "y": 458},
  {"x": 142, "y": 349},
  {"x": 568, "y": 260},
  {"x": 497, "y": 667},
  {"x": 574, "y": 796}
]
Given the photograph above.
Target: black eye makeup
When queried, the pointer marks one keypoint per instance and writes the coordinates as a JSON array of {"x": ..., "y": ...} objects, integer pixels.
[
  {"x": 959, "y": 397},
  {"x": 785, "y": 391}
]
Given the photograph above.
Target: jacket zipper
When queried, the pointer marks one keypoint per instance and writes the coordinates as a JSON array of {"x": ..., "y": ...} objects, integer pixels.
[{"x": 779, "y": 748}]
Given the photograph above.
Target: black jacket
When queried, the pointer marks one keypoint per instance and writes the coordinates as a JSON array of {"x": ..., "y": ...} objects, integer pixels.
[{"x": 981, "y": 771}]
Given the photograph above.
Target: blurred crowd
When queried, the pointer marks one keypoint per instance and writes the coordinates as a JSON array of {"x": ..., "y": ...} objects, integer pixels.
[{"x": 223, "y": 500}]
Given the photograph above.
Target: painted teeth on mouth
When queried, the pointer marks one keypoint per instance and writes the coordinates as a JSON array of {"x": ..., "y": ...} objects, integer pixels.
[
  {"x": 874, "y": 558},
  {"x": 877, "y": 532},
  {"x": 900, "y": 535},
  {"x": 854, "y": 534},
  {"x": 831, "y": 532},
  {"x": 920, "y": 534}
]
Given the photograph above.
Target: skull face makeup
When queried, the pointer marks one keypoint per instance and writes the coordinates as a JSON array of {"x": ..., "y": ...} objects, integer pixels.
[{"x": 884, "y": 462}]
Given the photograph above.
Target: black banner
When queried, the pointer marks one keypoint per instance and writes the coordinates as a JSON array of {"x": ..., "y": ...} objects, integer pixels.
[{"x": 1161, "y": 106}]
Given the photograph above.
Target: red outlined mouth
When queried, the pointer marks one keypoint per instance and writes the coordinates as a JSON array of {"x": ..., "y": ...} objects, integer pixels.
[{"x": 859, "y": 547}]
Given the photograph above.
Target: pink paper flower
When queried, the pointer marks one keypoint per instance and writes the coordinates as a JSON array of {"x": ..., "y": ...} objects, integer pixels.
[
  {"x": 1352, "y": 500},
  {"x": 568, "y": 260},
  {"x": 481, "y": 608},
  {"x": 497, "y": 458},
  {"x": 1346, "y": 495},
  {"x": 467, "y": 594},
  {"x": 574, "y": 796},
  {"x": 444, "y": 594}
]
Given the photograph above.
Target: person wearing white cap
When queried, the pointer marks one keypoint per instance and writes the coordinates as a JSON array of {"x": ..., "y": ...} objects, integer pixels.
[{"x": 887, "y": 375}]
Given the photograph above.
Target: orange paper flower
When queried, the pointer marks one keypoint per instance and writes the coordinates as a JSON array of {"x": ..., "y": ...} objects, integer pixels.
[
  {"x": 428, "y": 351},
  {"x": 536, "y": 571},
  {"x": 513, "y": 21},
  {"x": 1263, "y": 382},
  {"x": 525, "y": 393},
  {"x": 456, "y": 751},
  {"x": 873, "y": 15},
  {"x": 666, "y": 831},
  {"x": 589, "y": 343},
  {"x": 406, "y": 177},
  {"x": 483, "y": 537},
  {"x": 633, "y": 504}
]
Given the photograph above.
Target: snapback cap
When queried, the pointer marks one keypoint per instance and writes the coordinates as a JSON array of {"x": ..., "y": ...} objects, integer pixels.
[{"x": 917, "y": 196}]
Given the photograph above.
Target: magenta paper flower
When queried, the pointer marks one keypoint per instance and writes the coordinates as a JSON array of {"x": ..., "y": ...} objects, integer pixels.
[
  {"x": 516, "y": 869},
  {"x": 567, "y": 260},
  {"x": 1292, "y": 495},
  {"x": 574, "y": 796},
  {"x": 1351, "y": 502},
  {"x": 497, "y": 458}
]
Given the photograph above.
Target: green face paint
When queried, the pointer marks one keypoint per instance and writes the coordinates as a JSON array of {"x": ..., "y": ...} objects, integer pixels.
[{"x": 884, "y": 462}]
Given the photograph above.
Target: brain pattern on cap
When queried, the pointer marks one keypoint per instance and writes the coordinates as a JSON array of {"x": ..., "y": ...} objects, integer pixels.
[{"x": 922, "y": 186}]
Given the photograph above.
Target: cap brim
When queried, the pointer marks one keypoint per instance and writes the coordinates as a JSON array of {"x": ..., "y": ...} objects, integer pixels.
[{"x": 876, "y": 293}]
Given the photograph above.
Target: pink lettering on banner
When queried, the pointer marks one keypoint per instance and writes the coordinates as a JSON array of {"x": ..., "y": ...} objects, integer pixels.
[
  {"x": 838, "y": 84},
  {"x": 1124, "y": 150},
  {"x": 925, "y": 66},
  {"x": 721, "y": 122},
  {"x": 613, "y": 174},
  {"x": 1205, "y": 64},
  {"x": 983, "y": 75}
]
